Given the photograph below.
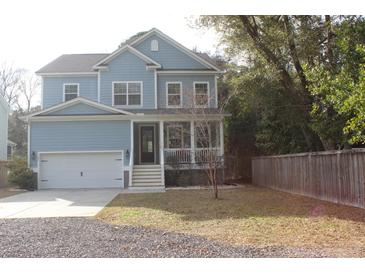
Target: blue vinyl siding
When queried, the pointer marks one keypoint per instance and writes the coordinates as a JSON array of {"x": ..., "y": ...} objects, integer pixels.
[
  {"x": 128, "y": 67},
  {"x": 168, "y": 56},
  {"x": 53, "y": 88},
  {"x": 79, "y": 136},
  {"x": 80, "y": 109},
  {"x": 187, "y": 88}
]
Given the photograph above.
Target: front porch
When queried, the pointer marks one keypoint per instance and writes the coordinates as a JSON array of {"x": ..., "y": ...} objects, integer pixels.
[{"x": 169, "y": 145}]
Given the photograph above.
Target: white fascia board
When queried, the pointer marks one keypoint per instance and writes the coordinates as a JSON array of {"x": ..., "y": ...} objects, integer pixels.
[
  {"x": 177, "y": 45},
  {"x": 189, "y": 72},
  {"x": 123, "y": 49},
  {"x": 66, "y": 74}
]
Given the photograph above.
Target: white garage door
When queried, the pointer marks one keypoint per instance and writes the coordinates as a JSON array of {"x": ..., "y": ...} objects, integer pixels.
[{"x": 81, "y": 170}]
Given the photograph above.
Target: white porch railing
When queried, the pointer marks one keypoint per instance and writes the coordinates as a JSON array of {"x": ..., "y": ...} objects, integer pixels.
[
  {"x": 186, "y": 155},
  {"x": 206, "y": 155},
  {"x": 178, "y": 155}
]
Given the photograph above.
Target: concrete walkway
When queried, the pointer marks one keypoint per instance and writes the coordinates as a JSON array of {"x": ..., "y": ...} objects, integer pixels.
[{"x": 56, "y": 203}]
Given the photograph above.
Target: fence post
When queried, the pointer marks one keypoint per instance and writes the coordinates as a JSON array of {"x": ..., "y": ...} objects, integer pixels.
[
  {"x": 308, "y": 182},
  {"x": 339, "y": 179}
]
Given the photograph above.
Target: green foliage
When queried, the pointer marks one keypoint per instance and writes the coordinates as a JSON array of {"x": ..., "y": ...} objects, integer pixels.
[
  {"x": 20, "y": 175},
  {"x": 18, "y": 130},
  {"x": 262, "y": 118},
  {"x": 298, "y": 82},
  {"x": 340, "y": 89}
]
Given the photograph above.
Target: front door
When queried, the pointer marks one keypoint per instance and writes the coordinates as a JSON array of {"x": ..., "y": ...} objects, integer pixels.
[{"x": 147, "y": 141}]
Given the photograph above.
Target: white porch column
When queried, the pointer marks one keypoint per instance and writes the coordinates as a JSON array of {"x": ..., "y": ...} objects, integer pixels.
[
  {"x": 221, "y": 136},
  {"x": 192, "y": 141},
  {"x": 162, "y": 154},
  {"x": 131, "y": 155}
]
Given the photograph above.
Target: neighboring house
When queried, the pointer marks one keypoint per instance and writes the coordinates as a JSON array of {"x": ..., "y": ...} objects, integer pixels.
[
  {"x": 4, "y": 114},
  {"x": 10, "y": 148},
  {"x": 119, "y": 119}
]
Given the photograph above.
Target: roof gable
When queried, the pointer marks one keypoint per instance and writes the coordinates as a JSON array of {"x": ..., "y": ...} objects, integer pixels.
[
  {"x": 168, "y": 55},
  {"x": 79, "y": 106},
  {"x": 150, "y": 62},
  {"x": 85, "y": 64},
  {"x": 80, "y": 109},
  {"x": 160, "y": 34}
]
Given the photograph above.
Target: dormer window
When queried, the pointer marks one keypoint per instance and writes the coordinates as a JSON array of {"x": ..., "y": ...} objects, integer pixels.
[
  {"x": 70, "y": 91},
  {"x": 154, "y": 45}
]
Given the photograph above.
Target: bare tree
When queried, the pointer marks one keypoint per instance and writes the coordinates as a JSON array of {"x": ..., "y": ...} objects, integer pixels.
[
  {"x": 207, "y": 131},
  {"x": 9, "y": 83},
  {"x": 28, "y": 88}
]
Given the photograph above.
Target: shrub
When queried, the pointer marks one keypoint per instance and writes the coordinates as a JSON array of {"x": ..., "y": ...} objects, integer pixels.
[{"x": 20, "y": 175}]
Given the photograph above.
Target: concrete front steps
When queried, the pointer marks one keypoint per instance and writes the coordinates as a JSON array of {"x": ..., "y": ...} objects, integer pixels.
[{"x": 147, "y": 178}]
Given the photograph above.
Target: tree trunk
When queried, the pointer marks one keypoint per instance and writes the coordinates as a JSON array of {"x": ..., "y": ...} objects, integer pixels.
[
  {"x": 294, "y": 55},
  {"x": 215, "y": 189},
  {"x": 268, "y": 54},
  {"x": 301, "y": 99},
  {"x": 330, "y": 37}
]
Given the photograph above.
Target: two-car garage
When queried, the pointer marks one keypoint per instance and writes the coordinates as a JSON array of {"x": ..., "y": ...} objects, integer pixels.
[
  {"x": 93, "y": 169},
  {"x": 81, "y": 151}
]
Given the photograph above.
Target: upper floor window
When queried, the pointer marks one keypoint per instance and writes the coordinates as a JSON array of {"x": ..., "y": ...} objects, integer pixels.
[
  {"x": 201, "y": 94},
  {"x": 127, "y": 93},
  {"x": 70, "y": 91},
  {"x": 173, "y": 94},
  {"x": 154, "y": 45}
]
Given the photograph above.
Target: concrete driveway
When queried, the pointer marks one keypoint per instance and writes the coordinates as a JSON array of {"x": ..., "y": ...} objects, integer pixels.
[{"x": 56, "y": 203}]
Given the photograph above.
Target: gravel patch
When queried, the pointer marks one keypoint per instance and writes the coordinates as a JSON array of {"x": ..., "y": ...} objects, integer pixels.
[{"x": 84, "y": 237}]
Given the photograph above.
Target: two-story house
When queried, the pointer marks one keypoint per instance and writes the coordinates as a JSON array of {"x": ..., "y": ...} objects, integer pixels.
[{"x": 121, "y": 119}]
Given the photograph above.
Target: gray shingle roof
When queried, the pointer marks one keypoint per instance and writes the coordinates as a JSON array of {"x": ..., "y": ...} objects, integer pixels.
[
  {"x": 73, "y": 63},
  {"x": 207, "y": 58},
  {"x": 70, "y": 63}
]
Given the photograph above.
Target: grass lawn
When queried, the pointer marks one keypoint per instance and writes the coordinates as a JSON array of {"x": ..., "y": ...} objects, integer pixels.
[
  {"x": 9, "y": 191},
  {"x": 248, "y": 215}
]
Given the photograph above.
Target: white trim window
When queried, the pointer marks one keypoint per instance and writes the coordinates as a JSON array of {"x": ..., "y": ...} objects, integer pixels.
[
  {"x": 175, "y": 136},
  {"x": 70, "y": 91},
  {"x": 201, "y": 94},
  {"x": 173, "y": 94},
  {"x": 127, "y": 93}
]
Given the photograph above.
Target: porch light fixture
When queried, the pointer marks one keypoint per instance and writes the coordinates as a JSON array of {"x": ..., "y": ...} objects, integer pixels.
[
  {"x": 127, "y": 153},
  {"x": 33, "y": 155}
]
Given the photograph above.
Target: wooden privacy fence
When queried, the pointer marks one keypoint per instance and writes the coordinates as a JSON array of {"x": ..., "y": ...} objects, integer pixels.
[
  {"x": 335, "y": 176},
  {"x": 3, "y": 173}
]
